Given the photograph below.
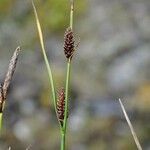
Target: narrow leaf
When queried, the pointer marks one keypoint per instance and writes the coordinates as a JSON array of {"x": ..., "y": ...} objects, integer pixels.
[{"x": 45, "y": 57}]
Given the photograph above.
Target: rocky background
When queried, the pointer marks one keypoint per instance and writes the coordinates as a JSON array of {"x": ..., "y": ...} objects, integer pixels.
[{"x": 112, "y": 61}]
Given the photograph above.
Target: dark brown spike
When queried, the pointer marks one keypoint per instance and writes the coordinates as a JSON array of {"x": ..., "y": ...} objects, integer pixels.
[
  {"x": 10, "y": 72},
  {"x": 68, "y": 43},
  {"x": 61, "y": 106}
]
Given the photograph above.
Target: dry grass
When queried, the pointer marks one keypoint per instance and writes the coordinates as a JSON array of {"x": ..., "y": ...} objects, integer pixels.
[{"x": 130, "y": 126}]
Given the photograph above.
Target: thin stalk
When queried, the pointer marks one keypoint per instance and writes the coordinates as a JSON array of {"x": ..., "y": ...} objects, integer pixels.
[
  {"x": 1, "y": 117},
  {"x": 63, "y": 139},
  {"x": 130, "y": 126},
  {"x": 67, "y": 93},
  {"x": 71, "y": 14},
  {"x": 64, "y": 129},
  {"x": 46, "y": 59}
]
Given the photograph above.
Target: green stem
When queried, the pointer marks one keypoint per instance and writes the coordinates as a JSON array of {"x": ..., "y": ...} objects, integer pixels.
[
  {"x": 71, "y": 14},
  {"x": 63, "y": 138},
  {"x": 1, "y": 117},
  {"x": 66, "y": 94},
  {"x": 68, "y": 73},
  {"x": 64, "y": 128}
]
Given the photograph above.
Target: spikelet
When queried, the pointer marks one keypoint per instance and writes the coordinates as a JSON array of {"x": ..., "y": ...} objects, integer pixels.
[
  {"x": 61, "y": 106},
  {"x": 68, "y": 43},
  {"x": 4, "y": 87},
  {"x": 10, "y": 72}
]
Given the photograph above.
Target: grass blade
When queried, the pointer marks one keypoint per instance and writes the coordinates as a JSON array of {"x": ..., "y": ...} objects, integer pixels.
[
  {"x": 45, "y": 56},
  {"x": 130, "y": 126}
]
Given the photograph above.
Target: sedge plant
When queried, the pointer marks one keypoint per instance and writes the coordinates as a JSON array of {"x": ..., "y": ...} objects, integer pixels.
[
  {"x": 60, "y": 102},
  {"x": 5, "y": 85}
]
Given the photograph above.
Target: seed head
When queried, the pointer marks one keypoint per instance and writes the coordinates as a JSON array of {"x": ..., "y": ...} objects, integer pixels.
[
  {"x": 68, "y": 43},
  {"x": 4, "y": 87},
  {"x": 10, "y": 72},
  {"x": 61, "y": 106}
]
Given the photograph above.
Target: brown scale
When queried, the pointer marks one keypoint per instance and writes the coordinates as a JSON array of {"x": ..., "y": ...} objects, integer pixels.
[{"x": 68, "y": 43}]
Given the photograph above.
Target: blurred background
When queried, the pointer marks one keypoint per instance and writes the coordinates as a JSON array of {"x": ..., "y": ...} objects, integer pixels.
[{"x": 111, "y": 62}]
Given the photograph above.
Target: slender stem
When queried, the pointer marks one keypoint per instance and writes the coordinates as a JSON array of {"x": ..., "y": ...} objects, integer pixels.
[
  {"x": 63, "y": 139},
  {"x": 68, "y": 72},
  {"x": 1, "y": 117},
  {"x": 46, "y": 59},
  {"x": 71, "y": 14},
  {"x": 64, "y": 129},
  {"x": 67, "y": 93}
]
